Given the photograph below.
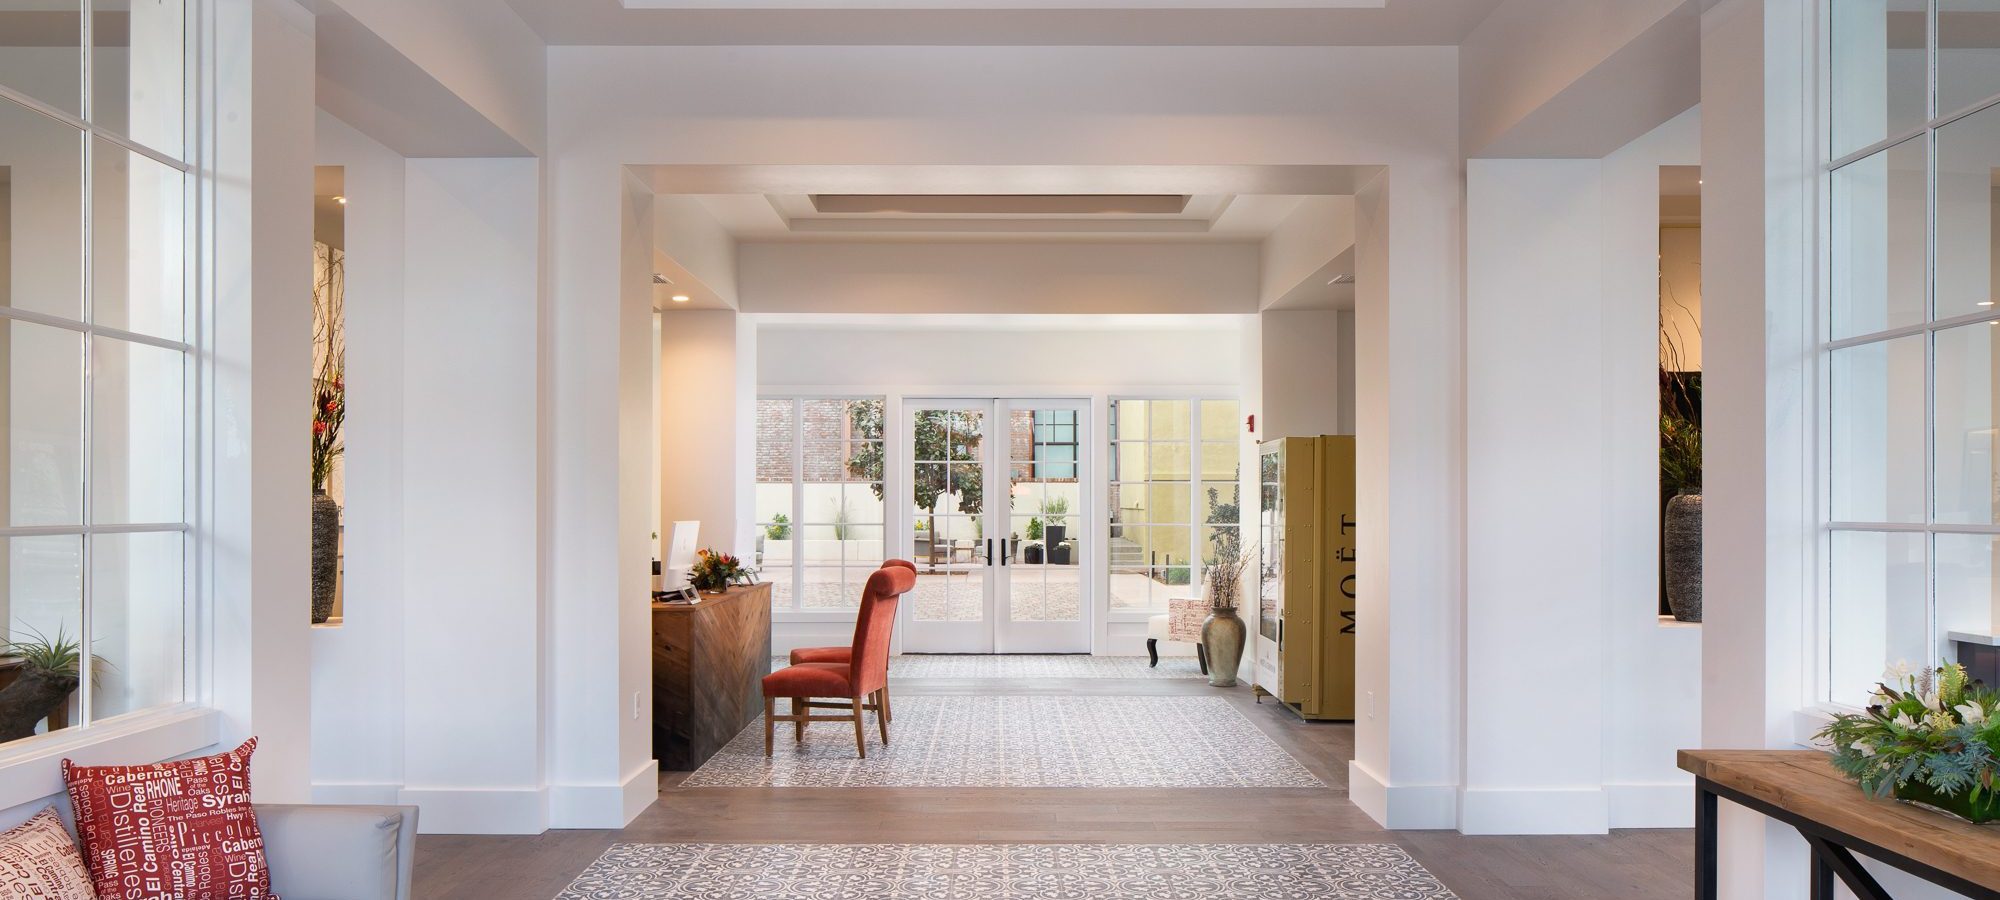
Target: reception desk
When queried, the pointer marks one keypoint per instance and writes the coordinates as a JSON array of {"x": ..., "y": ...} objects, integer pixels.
[{"x": 709, "y": 663}]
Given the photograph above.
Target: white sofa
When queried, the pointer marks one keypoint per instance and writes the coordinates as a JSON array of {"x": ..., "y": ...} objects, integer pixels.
[{"x": 326, "y": 852}]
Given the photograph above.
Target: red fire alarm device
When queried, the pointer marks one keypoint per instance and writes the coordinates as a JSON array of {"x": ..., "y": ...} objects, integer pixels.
[{"x": 1250, "y": 424}]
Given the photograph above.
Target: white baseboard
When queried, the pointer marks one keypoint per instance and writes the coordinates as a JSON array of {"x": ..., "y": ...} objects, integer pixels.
[
  {"x": 1534, "y": 811},
  {"x": 358, "y": 793},
  {"x": 1651, "y": 805},
  {"x": 479, "y": 810},
  {"x": 605, "y": 805},
  {"x": 1415, "y": 807}
]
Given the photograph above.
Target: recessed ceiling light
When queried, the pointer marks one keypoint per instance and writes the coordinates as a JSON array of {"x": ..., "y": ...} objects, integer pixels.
[
  {"x": 1985, "y": 303},
  {"x": 680, "y": 298},
  {"x": 340, "y": 200}
]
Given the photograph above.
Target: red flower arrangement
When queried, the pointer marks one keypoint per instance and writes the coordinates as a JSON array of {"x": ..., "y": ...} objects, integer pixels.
[{"x": 714, "y": 572}]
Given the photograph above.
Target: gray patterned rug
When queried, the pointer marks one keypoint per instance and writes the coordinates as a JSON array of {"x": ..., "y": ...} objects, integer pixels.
[
  {"x": 1007, "y": 872},
  {"x": 1004, "y": 666},
  {"x": 1019, "y": 741}
]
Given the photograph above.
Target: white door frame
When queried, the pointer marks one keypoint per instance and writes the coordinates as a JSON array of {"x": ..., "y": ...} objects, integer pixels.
[{"x": 995, "y": 632}]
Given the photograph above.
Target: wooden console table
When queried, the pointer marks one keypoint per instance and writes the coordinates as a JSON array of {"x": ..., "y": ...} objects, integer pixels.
[
  {"x": 1802, "y": 789},
  {"x": 709, "y": 663}
]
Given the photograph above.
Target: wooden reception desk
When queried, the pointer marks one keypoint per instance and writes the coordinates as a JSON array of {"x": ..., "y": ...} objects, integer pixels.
[{"x": 709, "y": 663}]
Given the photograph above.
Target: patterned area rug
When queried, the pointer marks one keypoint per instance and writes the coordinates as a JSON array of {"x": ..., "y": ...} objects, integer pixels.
[
  {"x": 1019, "y": 741},
  {"x": 991, "y": 666},
  {"x": 1012, "y": 872}
]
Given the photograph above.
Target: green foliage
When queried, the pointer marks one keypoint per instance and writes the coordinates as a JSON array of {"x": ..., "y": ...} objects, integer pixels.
[
  {"x": 1035, "y": 528},
  {"x": 1680, "y": 432},
  {"x": 1228, "y": 541},
  {"x": 1181, "y": 574},
  {"x": 780, "y": 528},
  {"x": 941, "y": 435},
  {"x": 60, "y": 655},
  {"x": 1936, "y": 728}
]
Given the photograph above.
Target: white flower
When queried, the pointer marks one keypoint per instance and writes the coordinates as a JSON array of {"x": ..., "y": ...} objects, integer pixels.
[
  {"x": 1864, "y": 748},
  {"x": 1898, "y": 671},
  {"x": 1972, "y": 713},
  {"x": 1932, "y": 703},
  {"x": 1904, "y": 722}
]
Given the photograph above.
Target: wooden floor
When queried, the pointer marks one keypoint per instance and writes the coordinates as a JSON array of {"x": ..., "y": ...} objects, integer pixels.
[{"x": 1628, "y": 865}]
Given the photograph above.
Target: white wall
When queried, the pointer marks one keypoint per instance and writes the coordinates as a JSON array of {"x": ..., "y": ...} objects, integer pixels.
[
  {"x": 1316, "y": 231},
  {"x": 1302, "y": 386},
  {"x": 699, "y": 413},
  {"x": 358, "y": 682},
  {"x": 997, "y": 277},
  {"x": 482, "y": 52},
  {"x": 1056, "y": 106},
  {"x": 472, "y": 661},
  {"x": 1046, "y": 355},
  {"x": 1561, "y": 418}
]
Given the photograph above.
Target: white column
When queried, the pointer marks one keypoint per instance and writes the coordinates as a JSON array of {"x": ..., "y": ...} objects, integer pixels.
[
  {"x": 473, "y": 618},
  {"x": 256, "y": 473},
  {"x": 1536, "y": 485},
  {"x": 1757, "y": 161}
]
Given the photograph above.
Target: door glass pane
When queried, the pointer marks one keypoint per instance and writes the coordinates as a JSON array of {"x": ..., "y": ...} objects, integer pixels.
[
  {"x": 1044, "y": 579},
  {"x": 1968, "y": 155},
  {"x": 1219, "y": 420},
  {"x": 1968, "y": 52},
  {"x": 136, "y": 248},
  {"x": 1968, "y": 369},
  {"x": 135, "y": 438},
  {"x": 772, "y": 501},
  {"x": 1967, "y": 592},
  {"x": 41, "y": 51},
  {"x": 137, "y": 621},
  {"x": 1877, "y": 242},
  {"x": 41, "y": 415},
  {"x": 137, "y": 72},
  {"x": 1877, "y": 609},
  {"x": 1876, "y": 431},
  {"x": 43, "y": 608},
  {"x": 41, "y": 212},
  {"x": 1880, "y": 72}
]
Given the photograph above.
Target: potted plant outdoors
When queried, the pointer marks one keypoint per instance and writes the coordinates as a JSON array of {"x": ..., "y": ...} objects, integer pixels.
[
  {"x": 1223, "y": 632},
  {"x": 1930, "y": 740},
  {"x": 48, "y": 675},
  {"x": 329, "y": 413},
  {"x": 1056, "y": 531},
  {"x": 713, "y": 573}
]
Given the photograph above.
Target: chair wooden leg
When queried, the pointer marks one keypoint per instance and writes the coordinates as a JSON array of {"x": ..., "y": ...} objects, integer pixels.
[
  {"x": 800, "y": 709},
  {"x": 860, "y": 733},
  {"x": 1153, "y": 650},
  {"x": 886, "y": 713},
  {"x": 882, "y": 714},
  {"x": 770, "y": 709}
]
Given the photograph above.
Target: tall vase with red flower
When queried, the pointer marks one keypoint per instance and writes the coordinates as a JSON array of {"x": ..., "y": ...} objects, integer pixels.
[{"x": 328, "y": 414}]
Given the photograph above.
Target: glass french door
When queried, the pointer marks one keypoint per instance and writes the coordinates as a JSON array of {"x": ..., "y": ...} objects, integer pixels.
[{"x": 997, "y": 526}]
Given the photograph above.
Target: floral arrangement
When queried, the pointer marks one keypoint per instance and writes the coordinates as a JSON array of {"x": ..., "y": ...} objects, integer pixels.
[
  {"x": 1930, "y": 739},
  {"x": 329, "y": 412},
  {"x": 714, "y": 572}
]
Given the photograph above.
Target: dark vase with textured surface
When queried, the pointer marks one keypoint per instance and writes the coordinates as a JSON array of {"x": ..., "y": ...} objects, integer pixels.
[
  {"x": 1682, "y": 559},
  {"x": 325, "y": 554},
  {"x": 30, "y": 699}
]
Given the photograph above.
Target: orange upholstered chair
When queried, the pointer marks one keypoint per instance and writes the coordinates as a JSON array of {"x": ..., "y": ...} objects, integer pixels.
[
  {"x": 839, "y": 654},
  {"x": 864, "y": 676}
]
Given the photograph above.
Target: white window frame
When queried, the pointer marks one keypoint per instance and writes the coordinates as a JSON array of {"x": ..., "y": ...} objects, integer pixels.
[
  {"x": 1193, "y": 483},
  {"x": 29, "y": 767},
  {"x": 1819, "y": 704},
  {"x": 797, "y": 612}
]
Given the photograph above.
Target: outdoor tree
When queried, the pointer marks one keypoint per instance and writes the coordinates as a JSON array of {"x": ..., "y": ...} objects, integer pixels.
[{"x": 941, "y": 434}]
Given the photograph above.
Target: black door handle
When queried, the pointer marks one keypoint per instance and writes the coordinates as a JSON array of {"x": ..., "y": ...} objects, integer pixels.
[
  {"x": 1003, "y": 553},
  {"x": 989, "y": 552}
]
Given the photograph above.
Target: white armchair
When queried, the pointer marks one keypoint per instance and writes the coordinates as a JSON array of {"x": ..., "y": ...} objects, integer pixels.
[{"x": 325, "y": 852}]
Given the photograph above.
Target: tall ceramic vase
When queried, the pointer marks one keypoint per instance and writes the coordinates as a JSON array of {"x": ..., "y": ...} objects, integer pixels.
[
  {"x": 1682, "y": 560},
  {"x": 1222, "y": 637},
  {"x": 325, "y": 554}
]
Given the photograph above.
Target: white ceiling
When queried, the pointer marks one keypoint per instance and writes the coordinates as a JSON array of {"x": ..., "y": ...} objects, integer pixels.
[
  {"x": 1005, "y": 22},
  {"x": 1207, "y": 217}
]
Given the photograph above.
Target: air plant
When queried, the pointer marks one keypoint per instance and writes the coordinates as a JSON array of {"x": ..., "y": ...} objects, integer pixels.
[{"x": 61, "y": 655}]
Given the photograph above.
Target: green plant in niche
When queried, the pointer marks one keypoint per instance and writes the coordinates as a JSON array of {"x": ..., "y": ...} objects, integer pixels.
[{"x": 780, "y": 528}]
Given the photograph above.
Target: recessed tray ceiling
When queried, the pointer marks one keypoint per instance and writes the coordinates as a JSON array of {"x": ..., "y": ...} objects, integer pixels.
[{"x": 1002, "y": 204}]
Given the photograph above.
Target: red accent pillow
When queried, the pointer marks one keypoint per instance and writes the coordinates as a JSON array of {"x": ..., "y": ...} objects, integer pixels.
[{"x": 180, "y": 830}]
